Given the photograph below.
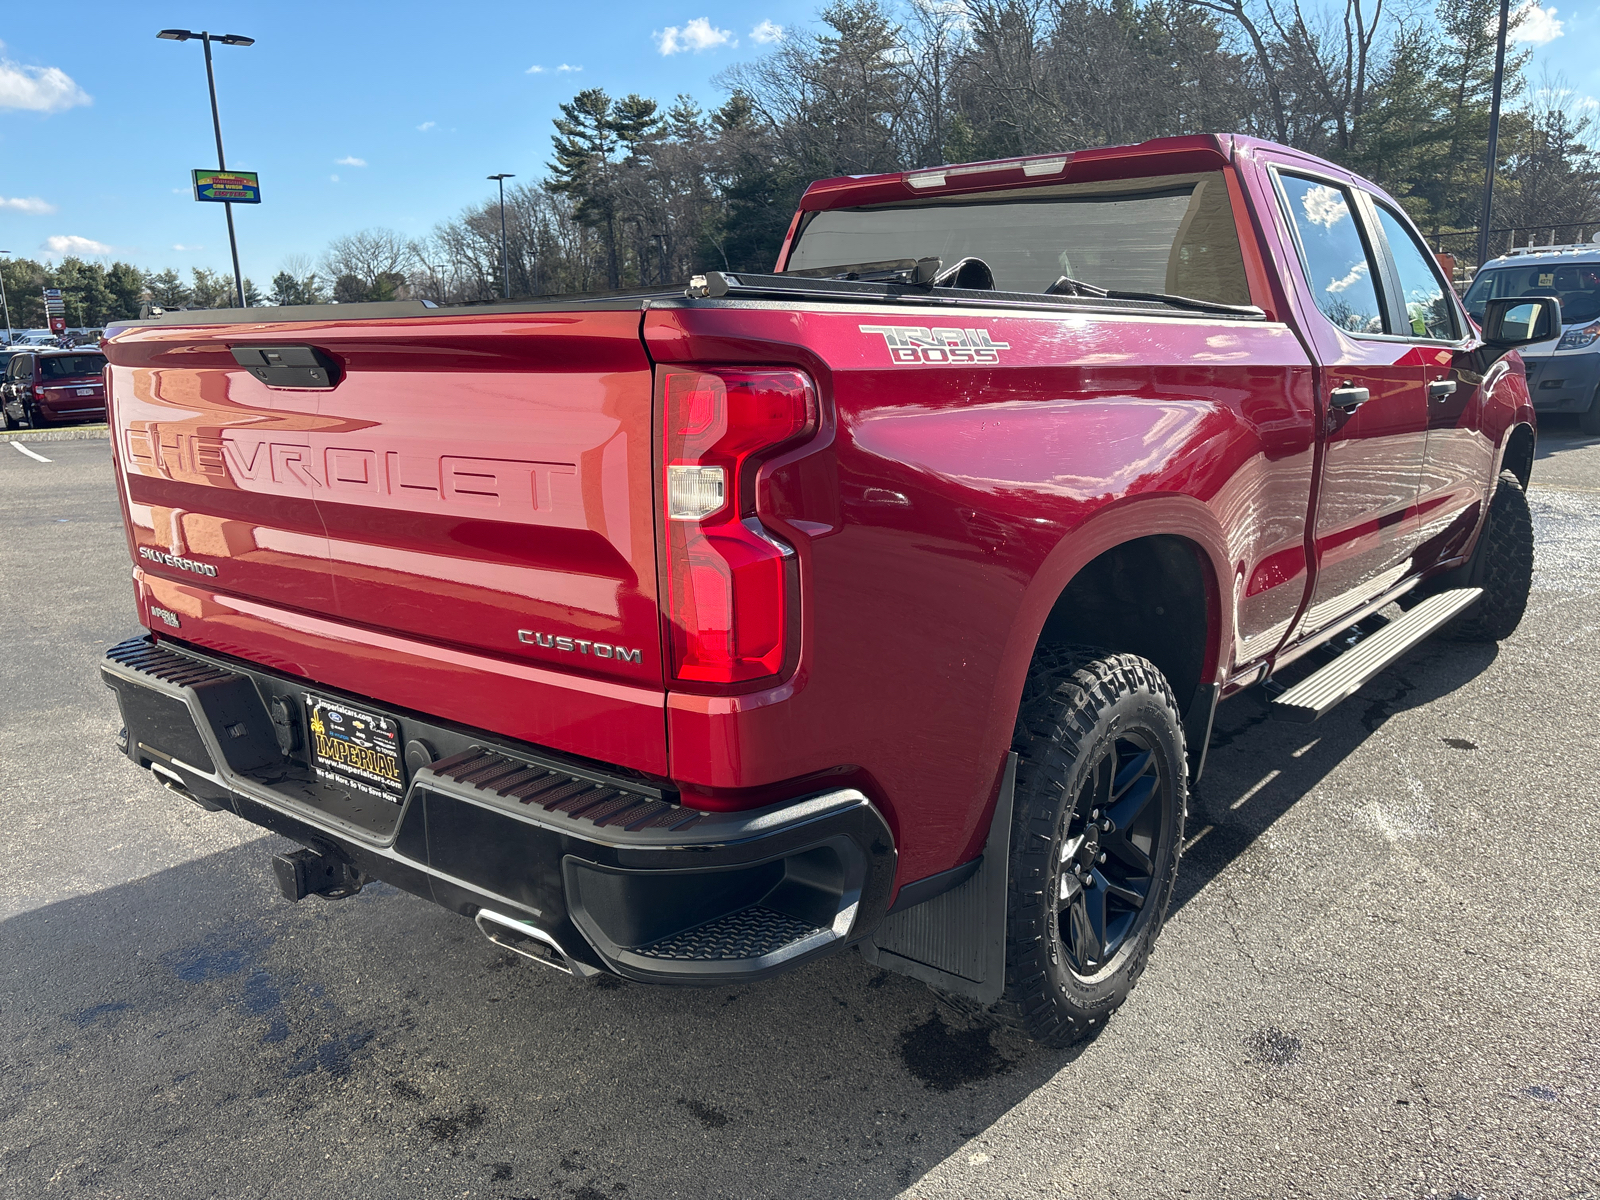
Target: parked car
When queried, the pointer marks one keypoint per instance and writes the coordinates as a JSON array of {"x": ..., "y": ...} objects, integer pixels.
[
  {"x": 884, "y": 600},
  {"x": 1564, "y": 371},
  {"x": 50, "y": 387}
]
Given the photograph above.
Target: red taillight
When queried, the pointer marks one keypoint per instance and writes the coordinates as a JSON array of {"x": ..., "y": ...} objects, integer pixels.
[{"x": 729, "y": 581}]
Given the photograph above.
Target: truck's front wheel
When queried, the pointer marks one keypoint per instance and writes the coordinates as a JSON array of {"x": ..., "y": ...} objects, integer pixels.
[
  {"x": 1502, "y": 565},
  {"x": 1096, "y": 830}
]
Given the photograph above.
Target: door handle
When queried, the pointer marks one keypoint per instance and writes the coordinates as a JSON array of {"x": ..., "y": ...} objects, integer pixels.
[
  {"x": 1349, "y": 398},
  {"x": 1441, "y": 389}
]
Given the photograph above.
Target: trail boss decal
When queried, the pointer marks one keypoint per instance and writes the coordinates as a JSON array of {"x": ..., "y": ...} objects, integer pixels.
[{"x": 912, "y": 345}]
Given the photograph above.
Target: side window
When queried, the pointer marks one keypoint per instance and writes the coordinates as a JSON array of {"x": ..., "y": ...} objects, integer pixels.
[
  {"x": 1337, "y": 264},
  {"x": 1429, "y": 313}
]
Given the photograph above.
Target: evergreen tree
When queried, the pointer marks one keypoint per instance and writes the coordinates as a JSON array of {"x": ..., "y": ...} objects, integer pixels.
[
  {"x": 585, "y": 140},
  {"x": 167, "y": 289},
  {"x": 125, "y": 282},
  {"x": 212, "y": 289}
]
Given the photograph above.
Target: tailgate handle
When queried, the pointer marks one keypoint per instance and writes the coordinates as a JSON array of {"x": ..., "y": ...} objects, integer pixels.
[{"x": 288, "y": 366}]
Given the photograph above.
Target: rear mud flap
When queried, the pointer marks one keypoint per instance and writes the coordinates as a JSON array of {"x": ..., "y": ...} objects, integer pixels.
[{"x": 956, "y": 941}]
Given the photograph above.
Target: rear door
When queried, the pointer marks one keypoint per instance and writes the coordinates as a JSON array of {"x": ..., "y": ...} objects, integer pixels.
[
  {"x": 1459, "y": 460},
  {"x": 485, "y": 482},
  {"x": 1374, "y": 407}
]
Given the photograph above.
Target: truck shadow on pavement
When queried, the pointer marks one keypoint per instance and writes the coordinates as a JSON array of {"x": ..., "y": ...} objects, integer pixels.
[
  {"x": 191, "y": 1033},
  {"x": 1259, "y": 766}
]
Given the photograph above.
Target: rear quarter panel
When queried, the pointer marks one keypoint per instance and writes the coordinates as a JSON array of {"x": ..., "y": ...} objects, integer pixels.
[{"x": 945, "y": 506}]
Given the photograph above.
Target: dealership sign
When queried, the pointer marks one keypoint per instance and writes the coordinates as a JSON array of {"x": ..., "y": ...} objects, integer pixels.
[
  {"x": 227, "y": 187},
  {"x": 55, "y": 308}
]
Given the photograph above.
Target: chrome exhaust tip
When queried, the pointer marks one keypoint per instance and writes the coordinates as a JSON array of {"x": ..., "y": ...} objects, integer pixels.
[
  {"x": 173, "y": 782},
  {"x": 529, "y": 941}
]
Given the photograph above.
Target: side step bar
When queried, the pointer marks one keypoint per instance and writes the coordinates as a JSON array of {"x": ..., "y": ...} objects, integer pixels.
[{"x": 1317, "y": 693}]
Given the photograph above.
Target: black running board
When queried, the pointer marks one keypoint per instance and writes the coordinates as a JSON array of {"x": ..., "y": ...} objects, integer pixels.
[{"x": 1316, "y": 694}]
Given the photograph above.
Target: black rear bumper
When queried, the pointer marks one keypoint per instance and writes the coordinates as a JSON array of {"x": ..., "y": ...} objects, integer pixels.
[{"x": 607, "y": 869}]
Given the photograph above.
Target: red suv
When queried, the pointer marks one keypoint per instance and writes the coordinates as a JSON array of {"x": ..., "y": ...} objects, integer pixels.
[{"x": 47, "y": 387}]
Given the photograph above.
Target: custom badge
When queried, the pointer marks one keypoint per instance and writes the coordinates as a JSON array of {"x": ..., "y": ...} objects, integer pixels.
[{"x": 913, "y": 345}]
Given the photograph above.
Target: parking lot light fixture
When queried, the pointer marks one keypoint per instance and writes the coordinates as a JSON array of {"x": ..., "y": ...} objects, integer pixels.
[
  {"x": 505, "y": 258},
  {"x": 227, "y": 39}
]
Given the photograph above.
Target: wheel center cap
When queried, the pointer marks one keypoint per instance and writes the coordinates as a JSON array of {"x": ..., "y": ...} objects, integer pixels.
[{"x": 1089, "y": 852}]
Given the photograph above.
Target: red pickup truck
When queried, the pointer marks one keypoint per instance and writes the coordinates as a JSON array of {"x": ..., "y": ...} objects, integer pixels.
[{"x": 884, "y": 600}]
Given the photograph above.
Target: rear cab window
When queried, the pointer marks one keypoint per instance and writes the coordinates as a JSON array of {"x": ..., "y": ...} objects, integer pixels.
[{"x": 1173, "y": 234}]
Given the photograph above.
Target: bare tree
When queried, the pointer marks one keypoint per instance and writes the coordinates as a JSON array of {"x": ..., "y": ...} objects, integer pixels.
[{"x": 368, "y": 256}]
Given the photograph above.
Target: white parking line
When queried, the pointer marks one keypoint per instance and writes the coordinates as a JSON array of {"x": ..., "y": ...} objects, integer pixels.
[{"x": 31, "y": 454}]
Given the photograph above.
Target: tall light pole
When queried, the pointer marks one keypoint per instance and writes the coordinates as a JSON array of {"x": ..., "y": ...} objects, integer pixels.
[
  {"x": 3, "y": 303},
  {"x": 1494, "y": 134},
  {"x": 505, "y": 258},
  {"x": 227, "y": 39}
]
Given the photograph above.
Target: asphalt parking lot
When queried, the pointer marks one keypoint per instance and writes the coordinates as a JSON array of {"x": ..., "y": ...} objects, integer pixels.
[{"x": 1381, "y": 977}]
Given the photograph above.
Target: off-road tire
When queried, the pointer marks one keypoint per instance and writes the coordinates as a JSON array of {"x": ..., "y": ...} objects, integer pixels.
[
  {"x": 1502, "y": 565},
  {"x": 1078, "y": 705},
  {"x": 1589, "y": 419}
]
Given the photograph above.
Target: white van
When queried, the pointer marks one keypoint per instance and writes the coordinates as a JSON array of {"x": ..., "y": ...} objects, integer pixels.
[{"x": 1564, "y": 372}]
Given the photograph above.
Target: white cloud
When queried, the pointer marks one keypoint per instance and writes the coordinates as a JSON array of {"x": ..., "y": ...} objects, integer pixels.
[
  {"x": 425, "y": 126},
  {"x": 335, "y": 178},
  {"x": 181, "y": 246},
  {"x": 31, "y": 205},
  {"x": 38, "y": 89},
  {"x": 1357, "y": 274},
  {"x": 563, "y": 69},
  {"x": 1534, "y": 25},
  {"x": 73, "y": 244},
  {"x": 350, "y": 160},
  {"x": 767, "y": 33},
  {"x": 699, "y": 34},
  {"x": 1324, "y": 206}
]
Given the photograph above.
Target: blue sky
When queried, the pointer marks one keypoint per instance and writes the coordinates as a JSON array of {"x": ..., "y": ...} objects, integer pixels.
[{"x": 361, "y": 115}]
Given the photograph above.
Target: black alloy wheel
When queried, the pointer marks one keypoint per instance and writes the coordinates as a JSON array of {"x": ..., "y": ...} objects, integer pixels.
[
  {"x": 1096, "y": 831},
  {"x": 1107, "y": 855}
]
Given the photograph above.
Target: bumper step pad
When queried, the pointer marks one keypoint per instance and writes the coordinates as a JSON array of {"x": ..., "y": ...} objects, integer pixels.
[
  {"x": 137, "y": 654},
  {"x": 558, "y": 791},
  {"x": 749, "y": 933}
]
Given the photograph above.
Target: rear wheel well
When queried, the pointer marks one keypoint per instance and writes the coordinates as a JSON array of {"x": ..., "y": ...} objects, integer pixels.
[
  {"x": 1147, "y": 597},
  {"x": 1519, "y": 454}
]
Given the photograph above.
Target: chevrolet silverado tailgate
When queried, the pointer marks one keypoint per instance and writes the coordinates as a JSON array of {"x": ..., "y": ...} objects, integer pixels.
[{"x": 480, "y": 483}]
